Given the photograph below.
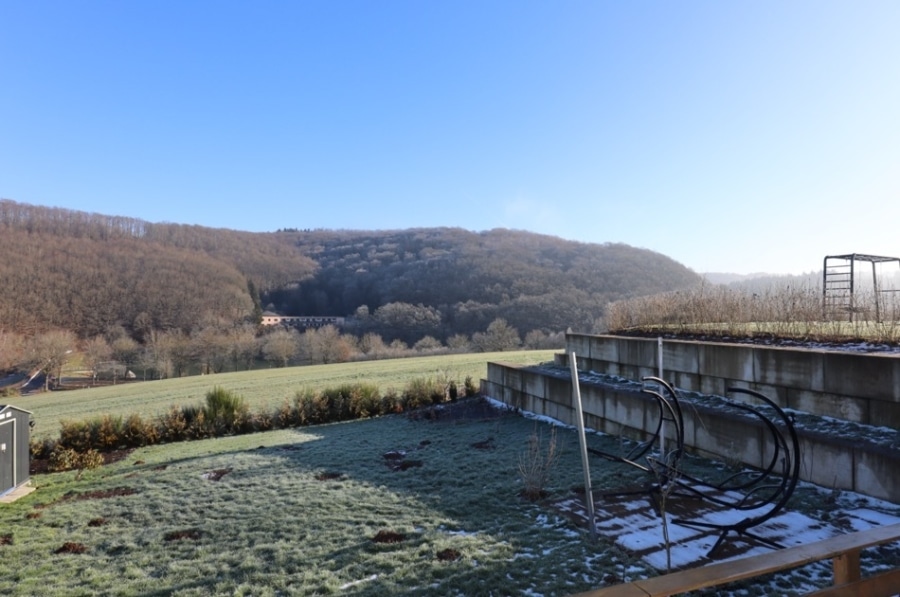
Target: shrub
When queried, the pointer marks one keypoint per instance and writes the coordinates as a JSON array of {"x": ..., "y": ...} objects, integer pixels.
[
  {"x": 42, "y": 449},
  {"x": 261, "y": 422},
  {"x": 191, "y": 412},
  {"x": 286, "y": 415},
  {"x": 470, "y": 388},
  {"x": 136, "y": 432},
  {"x": 198, "y": 427},
  {"x": 312, "y": 408},
  {"x": 75, "y": 435},
  {"x": 424, "y": 391},
  {"x": 391, "y": 402},
  {"x": 172, "y": 426},
  {"x": 225, "y": 412},
  {"x": 107, "y": 433},
  {"x": 365, "y": 401},
  {"x": 10, "y": 392},
  {"x": 66, "y": 459},
  {"x": 337, "y": 403}
]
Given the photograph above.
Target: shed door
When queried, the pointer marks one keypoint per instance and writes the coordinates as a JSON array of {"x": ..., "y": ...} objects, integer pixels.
[{"x": 7, "y": 454}]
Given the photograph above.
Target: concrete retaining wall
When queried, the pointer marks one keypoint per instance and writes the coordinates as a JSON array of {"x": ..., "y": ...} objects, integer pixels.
[
  {"x": 859, "y": 387},
  {"x": 825, "y": 460}
]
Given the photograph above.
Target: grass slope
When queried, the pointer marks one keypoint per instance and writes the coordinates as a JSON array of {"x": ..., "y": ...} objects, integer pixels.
[
  {"x": 295, "y": 512},
  {"x": 265, "y": 388}
]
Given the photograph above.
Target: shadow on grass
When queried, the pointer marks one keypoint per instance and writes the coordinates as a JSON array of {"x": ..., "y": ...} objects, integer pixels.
[{"x": 302, "y": 514}]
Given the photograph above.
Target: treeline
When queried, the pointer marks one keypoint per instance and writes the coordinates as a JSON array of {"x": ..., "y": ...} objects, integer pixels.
[
  {"x": 215, "y": 349},
  {"x": 445, "y": 281},
  {"x": 164, "y": 287}
]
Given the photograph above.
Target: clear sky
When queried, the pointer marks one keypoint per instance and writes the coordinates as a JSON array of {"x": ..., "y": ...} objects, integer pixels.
[{"x": 733, "y": 136}]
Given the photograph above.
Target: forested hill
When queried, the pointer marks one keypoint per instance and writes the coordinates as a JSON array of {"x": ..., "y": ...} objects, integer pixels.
[
  {"x": 89, "y": 273},
  {"x": 65, "y": 269},
  {"x": 531, "y": 280}
]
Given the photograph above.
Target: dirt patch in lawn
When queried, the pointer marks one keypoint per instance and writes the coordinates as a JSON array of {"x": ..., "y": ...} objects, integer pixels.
[
  {"x": 329, "y": 476},
  {"x": 216, "y": 475},
  {"x": 71, "y": 547},
  {"x": 468, "y": 409},
  {"x": 388, "y": 537},
  {"x": 183, "y": 535}
]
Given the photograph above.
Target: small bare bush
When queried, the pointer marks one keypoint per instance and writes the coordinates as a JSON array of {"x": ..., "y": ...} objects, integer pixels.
[{"x": 537, "y": 462}]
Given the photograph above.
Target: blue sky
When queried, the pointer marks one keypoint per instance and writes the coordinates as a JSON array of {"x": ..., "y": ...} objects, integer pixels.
[{"x": 731, "y": 136}]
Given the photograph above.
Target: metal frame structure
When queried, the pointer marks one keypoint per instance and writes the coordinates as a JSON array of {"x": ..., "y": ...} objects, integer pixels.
[
  {"x": 758, "y": 495},
  {"x": 839, "y": 284}
]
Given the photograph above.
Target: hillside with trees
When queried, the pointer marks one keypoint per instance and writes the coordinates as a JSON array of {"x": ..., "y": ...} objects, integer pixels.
[
  {"x": 178, "y": 298},
  {"x": 444, "y": 281}
]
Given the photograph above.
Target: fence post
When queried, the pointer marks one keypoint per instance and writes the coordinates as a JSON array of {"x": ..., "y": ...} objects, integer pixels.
[{"x": 585, "y": 465}]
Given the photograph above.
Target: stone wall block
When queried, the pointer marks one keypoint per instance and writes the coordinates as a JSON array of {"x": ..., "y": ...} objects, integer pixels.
[
  {"x": 580, "y": 344},
  {"x": 593, "y": 400},
  {"x": 627, "y": 409},
  {"x": 829, "y": 405},
  {"x": 605, "y": 348},
  {"x": 790, "y": 368},
  {"x": 729, "y": 361},
  {"x": 534, "y": 383},
  {"x": 866, "y": 375},
  {"x": 876, "y": 473},
  {"x": 559, "y": 390},
  {"x": 639, "y": 352},
  {"x": 712, "y": 385},
  {"x": 680, "y": 356},
  {"x": 729, "y": 438},
  {"x": 826, "y": 464}
]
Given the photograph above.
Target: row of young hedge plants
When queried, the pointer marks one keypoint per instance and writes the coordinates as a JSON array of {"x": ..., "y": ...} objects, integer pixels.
[{"x": 226, "y": 413}]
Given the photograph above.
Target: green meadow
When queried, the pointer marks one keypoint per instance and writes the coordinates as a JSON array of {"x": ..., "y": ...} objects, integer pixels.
[{"x": 261, "y": 388}]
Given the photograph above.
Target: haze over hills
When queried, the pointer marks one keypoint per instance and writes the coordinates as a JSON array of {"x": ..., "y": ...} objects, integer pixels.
[{"x": 90, "y": 272}]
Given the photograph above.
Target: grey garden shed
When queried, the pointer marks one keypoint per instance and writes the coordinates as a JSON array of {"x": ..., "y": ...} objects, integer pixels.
[{"x": 15, "y": 436}]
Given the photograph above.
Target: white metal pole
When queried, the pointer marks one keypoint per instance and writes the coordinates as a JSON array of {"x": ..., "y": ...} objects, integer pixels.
[
  {"x": 662, "y": 424},
  {"x": 585, "y": 465}
]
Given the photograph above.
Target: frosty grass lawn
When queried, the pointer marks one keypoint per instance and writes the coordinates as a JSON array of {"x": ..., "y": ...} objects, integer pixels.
[
  {"x": 296, "y": 513},
  {"x": 397, "y": 505}
]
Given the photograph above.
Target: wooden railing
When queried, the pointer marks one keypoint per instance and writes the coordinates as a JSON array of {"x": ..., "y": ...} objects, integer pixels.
[{"x": 843, "y": 550}]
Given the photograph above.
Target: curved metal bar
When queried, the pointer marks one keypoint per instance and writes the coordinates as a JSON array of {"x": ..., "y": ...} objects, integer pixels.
[
  {"x": 664, "y": 470},
  {"x": 791, "y": 464},
  {"x": 643, "y": 447},
  {"x": 780, "y": 492},
  {"x": 756, "y": 493}
]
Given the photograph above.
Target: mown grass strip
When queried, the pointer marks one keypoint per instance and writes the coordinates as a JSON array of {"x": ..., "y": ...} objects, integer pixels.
[{"x": 262, "y": 389}]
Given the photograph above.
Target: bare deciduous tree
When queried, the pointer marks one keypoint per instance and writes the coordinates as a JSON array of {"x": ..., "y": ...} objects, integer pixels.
[
  {"x": 12, "y": 349},
  {"x": 96, "y": 351},
  {"x": 280, "y": 346},
  {"x": 48, "y": 352}
]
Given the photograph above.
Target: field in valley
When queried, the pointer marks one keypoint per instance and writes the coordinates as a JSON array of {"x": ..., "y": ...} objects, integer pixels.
[{"x": 262, "y": 388}]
